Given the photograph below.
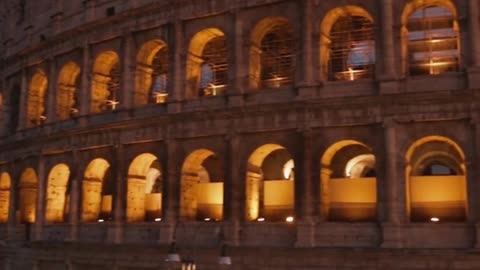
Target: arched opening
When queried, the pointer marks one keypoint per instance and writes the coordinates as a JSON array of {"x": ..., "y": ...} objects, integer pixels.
[
  {"x": 36, "y": 99},
  {"x": 348, "y": 44},
  {"x": 27, "y": 195},
  {"x": 202, "y": 187},
  {"x": 272, "y": 54},
  {"x": 58, "y": 194},
  {"x": 436, "y": 181},
  {"x": 207, "y": 63},
  {"x": 5, "y": 185},
  {"x": 145, "y": 186},
  {"x": 151, "y": 79},
  {"x": 431, "y": 40},
  {"x": 67, "y": 99},
  {"x": 98, "y": 192},
  {"x": 270, "y": 184},
  {"x": 348, "y": 185},
  {"x": 105, "y": 82}
]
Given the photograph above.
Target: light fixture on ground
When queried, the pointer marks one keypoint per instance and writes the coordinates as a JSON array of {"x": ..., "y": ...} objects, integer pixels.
[
  {"x": 434, "y": 219},
  {"x": 173, "y": 256},
  {"x": 189, "y": 264},
  {"x": 224, "y": 259}
]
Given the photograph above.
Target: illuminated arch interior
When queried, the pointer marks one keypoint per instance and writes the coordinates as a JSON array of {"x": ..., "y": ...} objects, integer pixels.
[
  {"x": 57, "y": 194},
  {"x": 27, "y": 197},
  {"x": 348, "y": 182},
  {"x": 36, "y": 99},
  {"x": 347, "y": 44},
  {"x": 144, "y": 196},
  {"x": 98, "y": 190},
  {"x": 436, "y": 185},
  {"x": 202, "y": 186},
  {"x": 5, "y": 185},
  {"x": 207, "y": 63},
  {"x": 431, "y": 37},
  {"x": 151, "y": 79},
  {"x": 67, "y": 101},
  {"x": 272, "y": 63},
  {"x": 269, "y": 184},
  {"x": 105, "y": 82}
]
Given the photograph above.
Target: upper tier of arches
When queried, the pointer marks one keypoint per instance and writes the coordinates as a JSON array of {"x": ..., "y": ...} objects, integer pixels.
[{"x": 349, "y": 49}]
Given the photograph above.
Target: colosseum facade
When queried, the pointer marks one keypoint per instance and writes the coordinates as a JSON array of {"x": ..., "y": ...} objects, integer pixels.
[{"x": 272, "y": 134}]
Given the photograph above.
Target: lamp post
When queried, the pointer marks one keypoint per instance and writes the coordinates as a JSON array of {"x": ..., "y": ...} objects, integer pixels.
[{"x": 188, "y": 263}]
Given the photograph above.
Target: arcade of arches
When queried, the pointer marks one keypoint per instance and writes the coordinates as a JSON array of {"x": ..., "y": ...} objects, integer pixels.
[
  {"x": 347, "y": 48},
  {"x": 435, "y": 185}
]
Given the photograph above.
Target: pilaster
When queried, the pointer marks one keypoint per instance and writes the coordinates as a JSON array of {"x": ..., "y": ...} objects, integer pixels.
[
  {"x": 128, "y": 70},
  {"x": 50, "y": 108},
  {"x": 233, "y": 190},
  {"x": 40, "y": 202},
  {"x": 176, "y": 92},
  {"x": 394, "y": 183}
]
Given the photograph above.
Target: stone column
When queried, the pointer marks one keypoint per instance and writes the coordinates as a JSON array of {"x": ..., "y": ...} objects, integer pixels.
[
  {"x": 304, "y": 192},
  {"x": 388, "y": 47},
  {"x": 40, "y": 203},
  {"x": 84, "y": 95},
  {"x": 176, "y": 92},
  {"x": 120, "y": 204},
  {"x": 76, "y": 178},
  {"x": 50, "y": 102},
  {"x": 474, "y": 27},
  {"x": 238, "y": 72},
  {"x": 388, "y": 72},
  {"x": 171, "y": 188},
  {"x": 473, "y": 188},
  {"x": 128, "y": 69},
  {"x": 233, "y": 190},
  {"x": 394, "y": 182},
  {"x": 473, "y": 70},
  {"x": 304, "y": 75},
  {"x": 22, "y": 118}
]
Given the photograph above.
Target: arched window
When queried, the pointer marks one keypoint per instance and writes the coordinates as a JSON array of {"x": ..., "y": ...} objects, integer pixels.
[
  {"x": 145, "y": 189},
  {"x": 348, "y": 182},
  {"x": 158, "y": 90},
  {"x": 277, "y": 48},
  {"x": 270, "y": 184},
  {"x": 151, "y": 80},
  {"x": 436, "y": 181},
  {"x": 352, "y": 49},
  {"x": 37, "y": 99},
  {"x": 27, "y": 196},
  {"x": 433, "y": 41},
  {"x": 97, "y": 192},
  {"x": 105, "y": 82},
  {"x": 57, "y": 194},
  {"x": 207, "y": 63},
  {"x": 67, "y": 100},
  {"x": 5, "y": 185},
  {"x": 202, "y": 187}
]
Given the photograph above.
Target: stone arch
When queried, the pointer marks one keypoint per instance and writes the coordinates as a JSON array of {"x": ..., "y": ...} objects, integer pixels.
[
  {"x": 272, "y": 53},
  {"x": 57, "y": 197},
  {"x": 105, "y": 82},
  {"x": 207, "y": 48},
  {"x": 202, "y": 186},
  {"x": 151, "y": 78},
  {"x": 36, "y": 99},
  {"x": 328, "y": 22},
  {"x": 269, "y": 193},
  {"x": 5, "y": 187},
  {"x": 27, "y": 195},
  {"x": 97, "y": 200},
  {"x": 67, "y": 91},
  {"x": 348, "y": 186},
  {"x": 441, "y": 47},
  {"x": 144, "y": 195},
  {"x": 436, "y": 180}
]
